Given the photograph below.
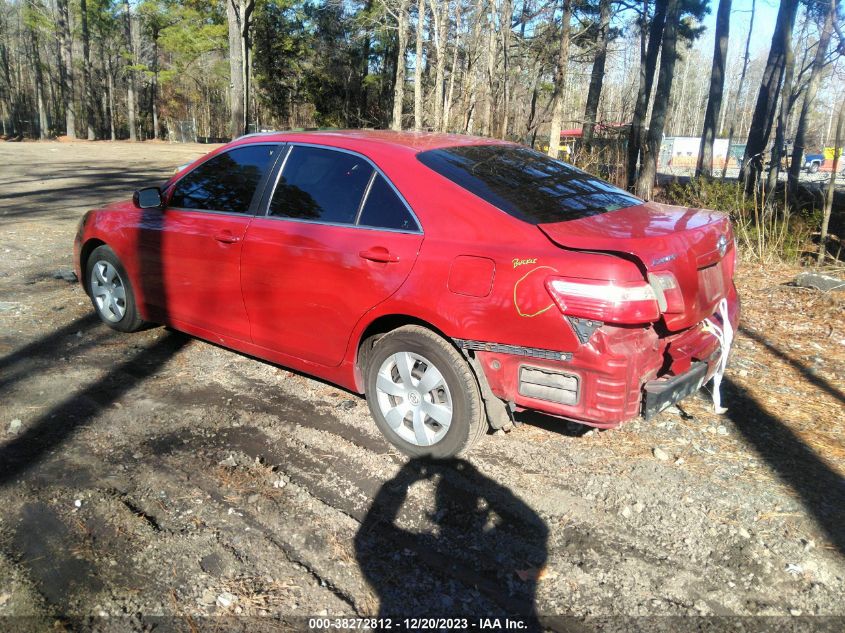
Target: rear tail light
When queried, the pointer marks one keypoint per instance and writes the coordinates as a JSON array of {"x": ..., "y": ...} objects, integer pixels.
[
  {"x": 731, "y": 259},
  {"x": 668, "y": 292},
  {"x": 607, "y": 301}
]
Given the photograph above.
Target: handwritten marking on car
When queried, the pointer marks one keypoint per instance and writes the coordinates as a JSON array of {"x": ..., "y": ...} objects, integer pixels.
[
  {"x": 522, "y": 262},
  {"x": 516, "y": 286}
]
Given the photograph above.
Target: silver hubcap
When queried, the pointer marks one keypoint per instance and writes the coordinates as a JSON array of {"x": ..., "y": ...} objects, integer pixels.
[
  {"x": 414, "y": 399},
  {"x": 108, "y": 291}
]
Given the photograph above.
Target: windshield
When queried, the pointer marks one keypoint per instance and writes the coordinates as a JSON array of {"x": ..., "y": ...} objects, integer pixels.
[{"x": 525, "y": 183}]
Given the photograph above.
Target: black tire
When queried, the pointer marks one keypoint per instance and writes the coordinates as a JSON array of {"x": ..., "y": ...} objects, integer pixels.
[
  {"x": 129, "y": 320},
  {"x": 814, "y": 167},
  {"x": 468, "y": 421}
]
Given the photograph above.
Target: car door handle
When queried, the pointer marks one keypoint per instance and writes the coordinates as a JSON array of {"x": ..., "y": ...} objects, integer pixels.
[
  {"x": 379, "y": 254},
  {"x": 227, "y": 237}
]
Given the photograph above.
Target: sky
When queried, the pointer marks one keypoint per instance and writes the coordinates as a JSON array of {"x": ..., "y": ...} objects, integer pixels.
[{"x": 765, "y": 15}]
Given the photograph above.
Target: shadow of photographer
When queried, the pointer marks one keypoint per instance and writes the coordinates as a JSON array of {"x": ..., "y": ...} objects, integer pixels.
[{"x": 477, "y": 554}]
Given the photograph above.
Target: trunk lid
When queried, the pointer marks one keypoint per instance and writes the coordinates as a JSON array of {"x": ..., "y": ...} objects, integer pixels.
[{"x": 695, "y": 245}]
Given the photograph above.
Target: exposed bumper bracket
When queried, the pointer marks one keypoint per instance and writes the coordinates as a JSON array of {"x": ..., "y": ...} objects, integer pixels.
[
  {"x": 663, "y": 393},
  {"x": 499, "y": 416}
]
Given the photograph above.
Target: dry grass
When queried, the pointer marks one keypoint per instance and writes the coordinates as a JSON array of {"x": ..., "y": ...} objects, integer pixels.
[
  {"x": 243, "y": 481},
  {"x": 258, "y": 595},
  {"x": 803, "y": 331}
]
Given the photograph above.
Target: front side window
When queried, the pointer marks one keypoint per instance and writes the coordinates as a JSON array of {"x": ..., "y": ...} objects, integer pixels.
[
  {"x": 526, "y": 184},
  {"x": 321, "y": 184},
  {"x": 226, "y": 182}
]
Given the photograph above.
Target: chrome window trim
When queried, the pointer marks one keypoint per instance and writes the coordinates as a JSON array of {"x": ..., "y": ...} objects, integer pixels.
[
  {"x": 364, "y": 198},
  {"x": 247, "y": 213},
  {"x": 376, "y": 171}
]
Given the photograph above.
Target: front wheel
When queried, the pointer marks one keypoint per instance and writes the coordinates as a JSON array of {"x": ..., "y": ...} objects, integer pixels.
[
  {"x": 423, "y": 395},
  {"x": 110, "y": 291},
  {"x": 814, "y": 167}
]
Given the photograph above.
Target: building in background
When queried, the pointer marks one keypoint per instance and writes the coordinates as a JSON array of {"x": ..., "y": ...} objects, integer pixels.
[{"x": 682, "y": 152}]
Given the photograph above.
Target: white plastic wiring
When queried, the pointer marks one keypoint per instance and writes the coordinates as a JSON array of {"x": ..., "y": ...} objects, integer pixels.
[{"x": 725, "y": 336}]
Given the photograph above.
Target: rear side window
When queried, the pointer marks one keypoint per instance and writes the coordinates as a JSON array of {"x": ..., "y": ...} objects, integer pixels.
[
  {"x": 383, "y": 209},
  {"x": 321, "y": 184},
  {"x": 226, "y": 182},
  {"x": 527, "y": 184}
]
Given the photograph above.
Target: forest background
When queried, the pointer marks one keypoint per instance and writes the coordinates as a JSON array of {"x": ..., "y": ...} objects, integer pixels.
[{"x": 623, "y": 73}]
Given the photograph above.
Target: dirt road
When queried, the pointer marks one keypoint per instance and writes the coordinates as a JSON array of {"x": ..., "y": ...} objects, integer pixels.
[{"x": 154, "y": 474}]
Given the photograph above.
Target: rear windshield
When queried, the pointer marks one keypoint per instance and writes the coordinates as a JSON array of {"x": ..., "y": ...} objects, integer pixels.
[{"x": 525, "y": 183}]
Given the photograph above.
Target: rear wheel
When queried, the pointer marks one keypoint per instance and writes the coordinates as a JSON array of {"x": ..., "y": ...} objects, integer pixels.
[
  {"x": 423, "y": 395},
  {"x": 814, "y": 167},
  {"x": 110, "y": 291}
]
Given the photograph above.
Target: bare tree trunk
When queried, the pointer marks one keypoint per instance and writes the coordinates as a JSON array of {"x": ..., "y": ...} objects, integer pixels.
[
  {"x": 236, "y": 80},
  {"x": 154, "y": 98},
  {"x": 238, "y": 14},
  {"x": 7, "y": 93},
  {"x": 130, "y": 74},
  {"x": 472, "y": 74},
  {"x": 67, "y": 74},
  {"x": 110, "y": 88},
  {"x": 681, "y": 101},
  {"x": 648, "y": 63},
  {"x": 767, "y": 98},
  {"x": 440, "y": 22},
  {"x": 779, "y": 149},
  {"x": 6, "y": 75},
  {"x": 418, "y": 95},
  {"x": 693, "y": 124},
  {"x": 246, "y": 9},
  {"x": 245, "y": 74},
  {"x": 560, "y": 79},
  {"x": 399, "y": 86},
  {"x": 43, "y": 124},
  {"x": 363, "y": 98},
  {"x": 88, "y": 105},
  {"x": 809, "y": 97},
  {"x": 645, "y": 181},
  {"x": 505, "y": 22},
  {"x": 717, "y": 85},
  {"x": 447, "y": 112},
  {"x": 597, "y": 74},
  {"x": 489, "y": 70},
  {"x": 531, "y": 123},
  {"x": 831, "y": 185},
  {"x": 740, "y": 88}
]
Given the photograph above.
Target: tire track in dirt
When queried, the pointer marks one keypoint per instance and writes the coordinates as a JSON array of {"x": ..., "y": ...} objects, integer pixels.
[
  {"x": 322, "y": 484},
  {"x": 558, "y": 497},
  {"x": 337, "y": 480}
]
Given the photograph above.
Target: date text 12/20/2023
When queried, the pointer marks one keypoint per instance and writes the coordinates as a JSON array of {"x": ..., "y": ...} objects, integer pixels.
[{"x": 417, "y": 624}]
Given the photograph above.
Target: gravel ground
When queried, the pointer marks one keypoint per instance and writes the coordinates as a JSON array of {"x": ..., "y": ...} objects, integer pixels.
[{"x": 154, "y": 475}]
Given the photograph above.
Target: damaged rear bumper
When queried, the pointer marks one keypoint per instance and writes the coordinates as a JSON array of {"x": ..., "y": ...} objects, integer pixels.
[
  {"x": 664, "y": 392},
  {"x": 619, "y": 374}
]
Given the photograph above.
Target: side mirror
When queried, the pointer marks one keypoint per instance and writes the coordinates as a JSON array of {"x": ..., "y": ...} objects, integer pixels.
[{"x": 147, "y": 198}]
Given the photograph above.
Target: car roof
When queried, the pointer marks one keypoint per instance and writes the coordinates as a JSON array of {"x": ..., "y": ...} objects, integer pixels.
[{"x": 360, "y": 139}]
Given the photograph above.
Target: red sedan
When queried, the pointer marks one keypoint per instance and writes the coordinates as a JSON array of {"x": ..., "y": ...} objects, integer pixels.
[{"x": 451, "y": 279}]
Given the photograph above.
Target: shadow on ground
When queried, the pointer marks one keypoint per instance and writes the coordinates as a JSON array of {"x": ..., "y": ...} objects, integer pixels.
[
  {"x": 821, "y": 489},
  {"x": 472, "y": 540},
  {"x": 806, "y": 373},
  {"x": 50, "y": 430}
]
